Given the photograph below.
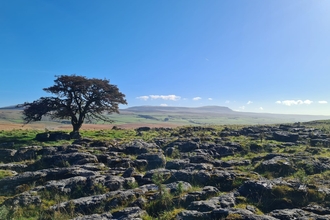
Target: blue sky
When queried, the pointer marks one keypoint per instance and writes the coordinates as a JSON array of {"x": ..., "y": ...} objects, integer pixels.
[{"x": 255, "y": 56}]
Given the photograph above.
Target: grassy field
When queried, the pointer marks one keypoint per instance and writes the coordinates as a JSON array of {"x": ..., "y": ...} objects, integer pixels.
[
  {"x": 112, "y": 137},
  {"x": 12, "y": 119}
]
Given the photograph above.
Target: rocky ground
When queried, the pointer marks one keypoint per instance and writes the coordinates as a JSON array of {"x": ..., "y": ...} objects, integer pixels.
[{"x": 259, "y": 172}]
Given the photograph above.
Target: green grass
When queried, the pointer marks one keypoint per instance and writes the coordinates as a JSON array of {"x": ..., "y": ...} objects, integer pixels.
[
  {"x": 15, "y": 116},
  {"x": 162, "y": 207},
  {"x": 19, "y": 137},
  {"x": 5, "y": 173}
]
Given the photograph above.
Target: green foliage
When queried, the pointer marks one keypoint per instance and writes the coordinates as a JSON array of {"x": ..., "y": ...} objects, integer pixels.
[
  {"x": 238, "y": 181},
  {"x": 4, "y": 212},
  {"x": 18, "y": 137},
  {"x": 234, "y": 216},
  {"x": 301, "y": 176},
  {"x": 76, "y": 98},
  {"x": 163, "y": 201},
  {"x": 180, "y": 188},
  {"x": 284, "y": 196},
  {"x": 5, "y": 173},
  {"x": 132, "y": 185},
  {"x": 99, "y": 189}
]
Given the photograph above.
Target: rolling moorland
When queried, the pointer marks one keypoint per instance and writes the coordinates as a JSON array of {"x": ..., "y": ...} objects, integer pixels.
[
  {"x": 157, "y": 116},
  {"x": 261, "y": 172}
]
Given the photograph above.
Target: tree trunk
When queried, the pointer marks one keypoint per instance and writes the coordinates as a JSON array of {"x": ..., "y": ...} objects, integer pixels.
[{"x": 76, "y": 125}]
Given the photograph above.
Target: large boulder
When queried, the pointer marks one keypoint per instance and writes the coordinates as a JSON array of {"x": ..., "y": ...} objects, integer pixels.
[
  {"x": 207, "y": 192},
  {"x": 9, "y": 184},
  {"x": 13, "y": 167},
  {"x": 27, "y": 153},
  {"x": 177, "y": 164},
  {"x": 52, "y": 136},
  {"x": 255, "y": 189},
  {"x": 129, "y": 213},
  {"x": 23, "y": 200},
  {"x": 278, "y": 166},
  {"x": 201, "y": 158},
  {"x": 157, "y": 160},
  {"x": 89, "y": 204},
  {"x": 7, "y": 155},
  {"x": 104, "y": 216},
  {"x": 138, "y": 147},
  {"x": 188, "y": 146},
  {"x": 288, "y": 214},
  {"x": 65, "y": 160},
  {"x": 284, "y": 136},
  {"x": 192, "y": 215},
  {"x": 321, "y": 142},
  {"x": 205, "y": 205}
]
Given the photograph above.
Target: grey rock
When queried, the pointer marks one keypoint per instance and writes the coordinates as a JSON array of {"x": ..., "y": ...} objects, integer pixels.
[
  {"x": 140, "y": 164},
  {"x": 205, "y": 205},
  {"x": 200, "y": 166},
  {"x": 225, "y": 201},
  {"x": 87, "y": 205},
  {"x": 207, "y": 192},
  {"x": 104, "y": 216},
  {"x": 233, "y": 163},
  {"x": 140, "y": 129},
  {"x": 7, "y": 145},
  {"x": 120, "y": 162},
  {"x": 52, "y": 136},
  {"x": 138, "y": 147},
  {"x": 288, "y": 214},
  {"x": 129, "y": 213},
  {"x": 317, "y": 209},
  {"x": 23, "y": 199},
  {"x": 154, "y": 160},
  {"x": 201, "y": 159},
  {"x": 321, "y": 142},
  {"x": 255, "y": 188},
  {"x": 188, "y": 146},
  {"x": 66, "y": 185},
  {"x": 10, "y": 183},
  {"x": 192, "y": 215},
  {"x": 7, "y": 155},
  {"x": 177, "y": 164},
  {"x": 129, "y": 172},
  {"x": 27, "y": 153},
  {"x": 284, "y": 136},
  {"x": 279, "y": 166},
  {"x": 239, "y": 214},
  {"x": 182, "y": 175},
  {"x": 223, "y": 151},
  {"x": 63, "y": 160},
  {"x": 174, "y": 187},
  {"x": 114, "y": 182},
  {"x": 13, "y": 166},
  {"x": 169, "y": 151}
]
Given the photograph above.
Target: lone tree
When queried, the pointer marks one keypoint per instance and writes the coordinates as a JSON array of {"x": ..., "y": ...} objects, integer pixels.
[{"x": 76, "y": 98}]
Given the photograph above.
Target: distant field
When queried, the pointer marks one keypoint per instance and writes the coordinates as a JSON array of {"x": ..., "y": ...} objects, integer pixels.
[
  {"x": 142, "y": 116},
  {"x": 12, "y": 119}
]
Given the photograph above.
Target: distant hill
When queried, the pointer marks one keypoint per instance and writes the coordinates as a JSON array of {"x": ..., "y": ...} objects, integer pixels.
[
  {"x": 170, "y": 109},
  {"x": 216, "y": 115},
  {"x": 163, "y": 115},
  {"x": 12, "y": 107}
]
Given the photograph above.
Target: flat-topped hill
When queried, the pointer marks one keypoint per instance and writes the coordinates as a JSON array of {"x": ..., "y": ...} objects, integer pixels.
[{"x": 161, "y": 116}]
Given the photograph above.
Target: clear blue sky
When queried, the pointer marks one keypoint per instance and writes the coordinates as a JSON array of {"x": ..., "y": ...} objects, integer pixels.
[{"x": 255, "y": 56}]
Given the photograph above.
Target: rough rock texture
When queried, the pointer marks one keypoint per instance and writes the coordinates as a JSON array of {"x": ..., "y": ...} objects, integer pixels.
[{"x": 254, "y": 173}]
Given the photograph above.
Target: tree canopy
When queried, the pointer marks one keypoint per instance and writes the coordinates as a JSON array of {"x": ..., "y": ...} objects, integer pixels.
[{"x": 76, "y": 98}]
